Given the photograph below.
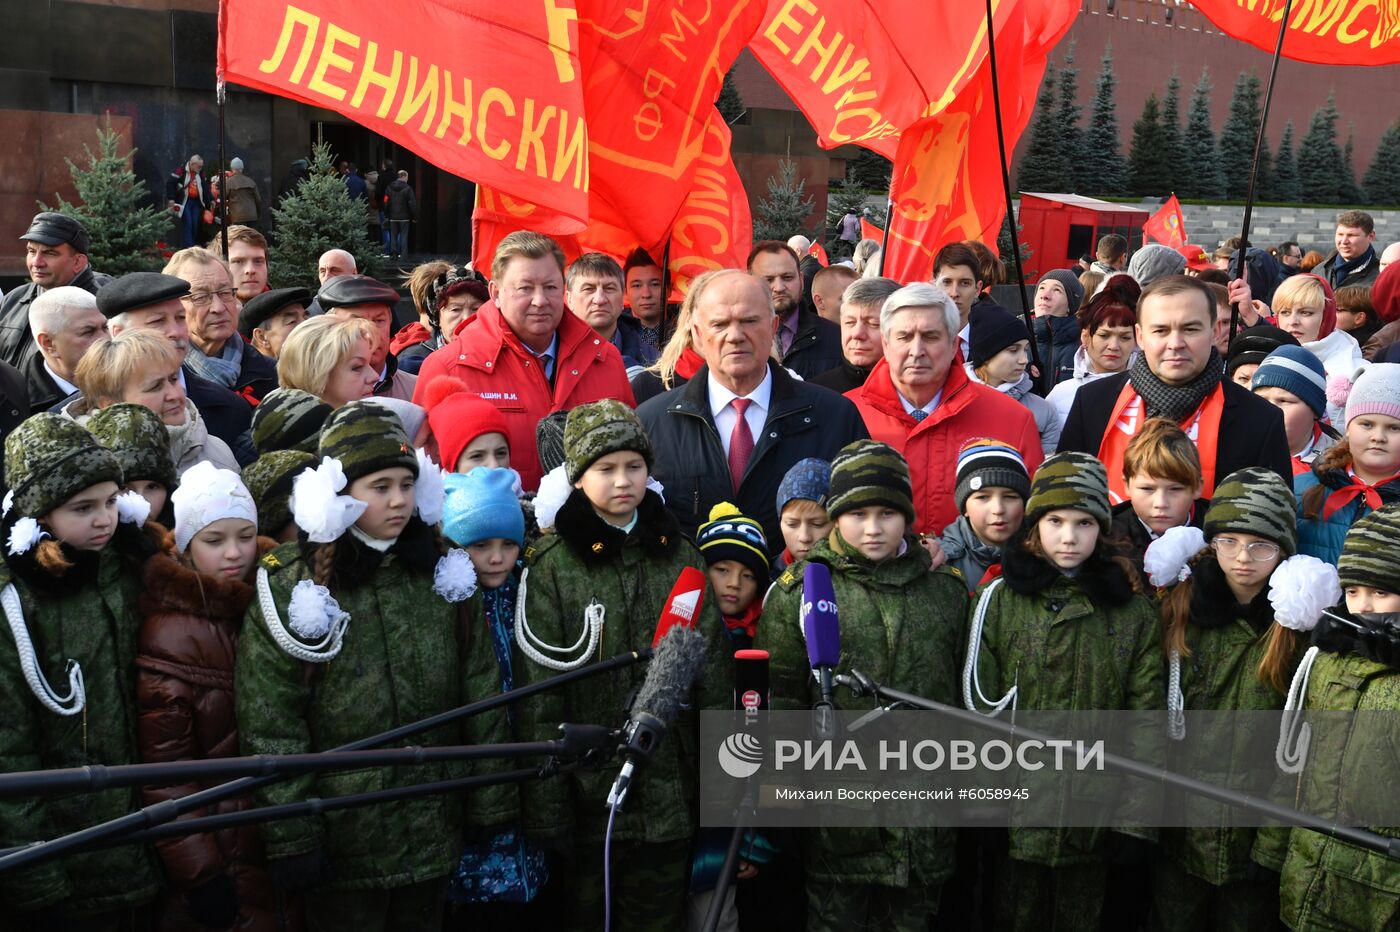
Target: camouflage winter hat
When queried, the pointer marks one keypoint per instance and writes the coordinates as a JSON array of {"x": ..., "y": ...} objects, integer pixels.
[
  {"x": 1371, "y": 553},
  {"x": 289, "y": 419},
  {"x": 366, "y": 438},
  {"x": 597, "y": 429},
  {"x": 142, "y": 444},
  {"x": 1255, "y": 500},
  {"x": 49, "y": 459},
  {"x": 868, "y": 473},
  {"x": 1070, "y": 480},
  {"x": 269, "y": 481}
]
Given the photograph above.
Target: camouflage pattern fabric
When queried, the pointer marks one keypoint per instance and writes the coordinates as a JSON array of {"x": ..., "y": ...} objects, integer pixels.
[
  {"x": 1255, "y": 501},
  {"x": 650, "y": 878},
  {"x": 289, "y": 419},
  {"x": 1070, "y": 480},
  {"x": 1371, "y": 554},
  {"x": 269, "y": 481},
  {"x": 866, "y": 473},
  {"x": 49, "y": 459},
  {"x": 139, "y": 438},
  {"x": 366, "y": 437},
  {"x": 601, "y": 427},
  {"x": 844, "y": 907},
  {"x": 1036, "y": 898},
  {"x": 1182, "y": 902}
]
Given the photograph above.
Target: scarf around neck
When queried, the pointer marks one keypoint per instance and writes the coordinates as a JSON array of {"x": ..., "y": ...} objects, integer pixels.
[
  {"x": 1342, "y": 268},
  {"x": 223, "y": 368},
  {"x": 1174, "y": 401}
]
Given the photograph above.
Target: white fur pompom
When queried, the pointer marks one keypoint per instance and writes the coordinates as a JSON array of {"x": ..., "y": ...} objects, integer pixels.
[
  {"x": 133, "y": 508},
  {"x": 454, "y": 577},
  {"x": 516, "y": 485},
  {"x": 1168, "y": 558},
  {"x": 428, "y": 492},
  {"x": 554, "y": 492},
  {"x": 655, "y": 485},
  {"x": 313, "y": 611},
  {"x": 318, "y": 508},
  {"x": 1301, "y": 589},
  {"x": 24, "y": 535},
  {"x": 9, "y": 503}
]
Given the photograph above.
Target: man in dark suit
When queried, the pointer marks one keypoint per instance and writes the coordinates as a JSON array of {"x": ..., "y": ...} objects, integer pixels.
[
  {"x": 65, "y": 321},
  {"x": 1179, "y": 375},
  {"x": 808, "y": 344}
]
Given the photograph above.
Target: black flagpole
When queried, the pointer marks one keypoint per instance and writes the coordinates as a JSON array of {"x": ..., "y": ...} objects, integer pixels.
[
  {"x": 223, "y": 174},
  {"x": 1254, "y": 169},
  {"x": 889, "y": 218}
]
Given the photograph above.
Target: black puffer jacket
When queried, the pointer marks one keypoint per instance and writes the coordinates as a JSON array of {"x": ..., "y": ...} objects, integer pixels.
[{"x": 1057, "y": 339}]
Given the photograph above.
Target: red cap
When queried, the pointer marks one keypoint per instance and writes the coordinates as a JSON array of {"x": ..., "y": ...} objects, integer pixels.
[
  {"x": 457, "y": 416},
  {"x": 1196, "y": 257}
]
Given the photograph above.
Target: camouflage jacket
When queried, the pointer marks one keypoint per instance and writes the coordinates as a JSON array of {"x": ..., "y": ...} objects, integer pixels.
[
  {"x": 490, "y": 806},
  {"x": 397, "y": 664},
  {"x": 902, "y": 625},
  {"x": 584, "y": 561}
]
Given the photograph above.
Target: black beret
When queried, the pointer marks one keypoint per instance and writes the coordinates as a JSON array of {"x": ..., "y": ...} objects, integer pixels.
[
  {"x": 268, "y": 303},
  {"x": 51, "y": 229},
  {"x": 136, "y": 290},
  {"x": 352, "y": 290}
]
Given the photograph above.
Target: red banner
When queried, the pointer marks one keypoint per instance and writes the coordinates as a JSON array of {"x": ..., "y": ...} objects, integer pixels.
[
  {"x": 1326, "y": 32},
  {"x": 1167, "y": 226},
  {"x": 869, "y": 230}
]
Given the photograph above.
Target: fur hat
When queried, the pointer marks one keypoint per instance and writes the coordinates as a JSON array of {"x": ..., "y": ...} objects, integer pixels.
[
  {"x": 140, "y": 440},
  {"x": 731, "y": 535},
  {"x": 49, "y": 459},
  {"x": 1255, "y": 501},
  {"x": 984, "y": 463},
  {"x": 866, "y": 473},
  {"x": 481, "y": 505},
  {"x": 289, "y": 419},
  {"x": 210, "y": 494},
  {"x": 365, "y": 438},
  {"x": 594, "y": 430},
  {"x": 1070, "y": 480},
  {"x": 269, "y": 480}
]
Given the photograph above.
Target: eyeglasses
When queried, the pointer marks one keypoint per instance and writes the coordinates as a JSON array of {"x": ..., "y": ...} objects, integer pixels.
[
  {"x": 1260, "y": 551},
  {"x": 205, "y": 298}
]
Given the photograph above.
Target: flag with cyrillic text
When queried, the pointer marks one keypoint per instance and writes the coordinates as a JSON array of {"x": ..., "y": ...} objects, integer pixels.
[{"x": 1335, "y": 32}]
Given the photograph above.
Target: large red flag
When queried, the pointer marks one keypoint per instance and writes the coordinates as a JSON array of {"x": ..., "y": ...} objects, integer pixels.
[
  {"x": 1167, "y": 226},
  {"x": 869, "y": 230},
  {"x": 1327, "y": 32}
]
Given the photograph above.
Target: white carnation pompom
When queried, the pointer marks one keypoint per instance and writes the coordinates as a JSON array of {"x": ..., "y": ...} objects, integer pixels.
[
  {"x": 9, "y": 503},
  {"x": 133, "y": 508},
  {"x": 1168, "y": 558},
  {"x": 318, "y": 508},
  {"x": 24, "y": 535},
  {"x": 313, "y": 611},
  {"x": 1301, "y": 589},
  {"x": 454, "y": 577},
  {"x": 655, "y": 485},
  {"x": 554, "y": 492},
  {"x": 428, "y": 492}
]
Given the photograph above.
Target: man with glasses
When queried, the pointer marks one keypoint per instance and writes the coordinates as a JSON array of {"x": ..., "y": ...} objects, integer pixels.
[
  {"x": 1290, "y": 254},
  {"x": 217, "y": 352}
]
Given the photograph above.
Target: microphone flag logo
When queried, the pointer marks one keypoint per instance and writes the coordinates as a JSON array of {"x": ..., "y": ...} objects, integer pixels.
[
  {"x": 741, "y": 755},
  {"x": 683, "y": 605}
]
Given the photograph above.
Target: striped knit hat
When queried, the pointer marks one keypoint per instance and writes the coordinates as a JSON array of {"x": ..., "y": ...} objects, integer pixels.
[
  {"x": 869, "y": 473},
  {"x": 1256, "y": 501},
  {"x": 731, "y": 535},
  {"x": 1070, "y": 480},
  {"x": 1371, "y": 553},
  {"x": 985, "y": 463},
  {"x": 1295, "y": 370}
]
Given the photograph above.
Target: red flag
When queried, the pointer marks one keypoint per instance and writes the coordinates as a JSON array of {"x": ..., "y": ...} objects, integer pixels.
[
  {"x": 869, "y": 230},
  {"x": 1337, "y": 32},
  {"x": 818, "y": 250},
  {"x": 1166, "y": 226}
]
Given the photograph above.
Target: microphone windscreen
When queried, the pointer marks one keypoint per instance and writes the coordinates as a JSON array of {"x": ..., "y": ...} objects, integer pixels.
[
  {"x": 750, "y": 680},
  {"x": 682, "y": 605},
  {"x": 675, "y": 666},
  {"x": 821, "y": 623}
]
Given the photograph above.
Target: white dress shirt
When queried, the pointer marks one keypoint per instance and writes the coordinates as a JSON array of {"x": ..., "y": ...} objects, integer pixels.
[
  {"x": 910, "y": 407},
  {"x": 964, "y": 342},
  {"x": 63, "y": 384},
  {"x": 724, "y": 414},
  {"x": 548, "y": 357}
]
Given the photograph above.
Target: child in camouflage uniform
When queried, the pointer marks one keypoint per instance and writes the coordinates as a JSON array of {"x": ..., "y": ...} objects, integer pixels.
[
  {"x": 1064, "y": 629},
  {"x": 902, "y": 625},
  {"x": 140, "y": 441},
  {"x": 269, "y": 480},
  {"x": 370, "y": 643}
]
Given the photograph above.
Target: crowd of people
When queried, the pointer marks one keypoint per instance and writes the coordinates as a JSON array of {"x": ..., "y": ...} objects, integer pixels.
[{"x": 243, "y": 520}]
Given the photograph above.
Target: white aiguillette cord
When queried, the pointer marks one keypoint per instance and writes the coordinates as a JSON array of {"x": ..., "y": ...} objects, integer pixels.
[
  {"x": 323, "y": 651},
  {"x": 970, "y": 681},
  {"x": 594, "y": 617},
  {"x": 71, "y": 704}
]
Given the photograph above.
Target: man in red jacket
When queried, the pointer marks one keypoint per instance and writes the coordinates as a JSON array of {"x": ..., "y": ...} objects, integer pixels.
[
  {"x": 524, "y": 354},
  {"x": 919, "y": 400}
]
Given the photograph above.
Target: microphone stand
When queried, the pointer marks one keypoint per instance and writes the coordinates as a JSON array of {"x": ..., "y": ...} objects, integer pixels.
[{"x": 730, "y": 868}]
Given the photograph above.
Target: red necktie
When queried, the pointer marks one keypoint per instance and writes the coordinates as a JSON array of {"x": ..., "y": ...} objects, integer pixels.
[{"x": 740, "y": 443}]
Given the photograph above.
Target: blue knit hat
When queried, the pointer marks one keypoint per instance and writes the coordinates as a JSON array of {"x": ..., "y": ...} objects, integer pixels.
[
  {"x": 1295, "y": 370},
  {"x": 480, "y": 505},
  {"x": 808, "y": 479}
]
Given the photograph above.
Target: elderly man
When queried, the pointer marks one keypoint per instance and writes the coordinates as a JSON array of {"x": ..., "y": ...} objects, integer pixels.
[
  {"x": 266, "y": 320},
  {"x": 523, "y": 353},
  {"x": 55, "y": 253},
  {"x": 359, "y": 296},
  {"x": 244, "y": 201},
  {"x": 65, "y": 322},
  {"x": 808, "y": 345},
  {"x": 595, "y": 284},
  {"x": 920, "y": 401},
  {"x": 1179, "y": 375},
  {"x": 188, "y": 195},
  {"x": 152, "y": 301},
  {"x": 733, "y": 431},
  {"x": 332, "y": 264},
  {"x": 217, "y": 352},
  {"x": 1353, "y": 262},
  {"x": 861, "y": 345},
  {"x": 247, "y": 260}
]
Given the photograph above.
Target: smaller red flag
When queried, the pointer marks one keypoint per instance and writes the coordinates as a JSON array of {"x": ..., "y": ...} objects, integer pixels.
[
  {"x": 818, "y": 250},
  {"x": 1166, "y": 226},
  {"x": 869, "y": 230}
]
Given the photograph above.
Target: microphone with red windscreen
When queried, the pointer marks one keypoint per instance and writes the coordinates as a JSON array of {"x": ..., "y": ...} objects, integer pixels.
[{"x": 683, "y": 604}]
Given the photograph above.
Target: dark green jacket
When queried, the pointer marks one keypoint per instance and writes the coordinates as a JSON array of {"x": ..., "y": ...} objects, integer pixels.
[
  {"x": 89, "y": 616},
  {"x": 398, "y": 664},
  {"x": 489, "y": 806},
  {"x": 584, "y": 561},
  {"x": 901, "y": 624},
  {"x": 1067, "y": 644}
]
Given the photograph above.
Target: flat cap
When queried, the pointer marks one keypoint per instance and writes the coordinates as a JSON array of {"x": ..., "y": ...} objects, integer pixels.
[
  {"x": 53, "y": 229},
  {"x": 352, "y": 290},
  {"x": 268, "y": 303},
  {"x": 136, "y": 290}
]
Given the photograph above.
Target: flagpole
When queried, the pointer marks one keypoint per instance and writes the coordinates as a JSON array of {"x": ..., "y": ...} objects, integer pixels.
[
  {"x": 1010, "y": 206},
  {"x": 223, "y": 176},
  {"x": 889, "y": 218},
  {"x": 1254, "y": 169}
]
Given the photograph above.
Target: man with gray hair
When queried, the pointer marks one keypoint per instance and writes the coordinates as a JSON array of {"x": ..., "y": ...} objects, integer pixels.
[
  {"x": 64, "y": 322},
  {"x": 861, "y": 344},
  {"x": 244, "y": 202},
  {"x": 920, "y": 401}
]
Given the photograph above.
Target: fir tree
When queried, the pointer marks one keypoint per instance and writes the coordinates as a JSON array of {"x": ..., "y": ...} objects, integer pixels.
[
  {"x": 785, "y": 210},
  {"x": 113, "y": 205},
  {"x": 1041, "y": 167},
  {"x": 1104, "y": 169},
  {"x": 1004, "y": 249},
  {"x": 1383, "y": 177},
  {"x": 1201, "y": 178},
  {"x": 1067, "y": 120},
  {"x": 1283, "y": 186},
  {"x": 317, "y": 216},
  {"x": 1151, "y": 172},
  {"x": 871, "y": 170},
  {"x": 841, "y": 198},
  {"x": 1171, "y": 125},
  {"x": 1238, "y": 136},
  {"x": 730, "y": 104},
  {"x": 1319, "y": 179},
  {"x": 1350, "y": 191}
]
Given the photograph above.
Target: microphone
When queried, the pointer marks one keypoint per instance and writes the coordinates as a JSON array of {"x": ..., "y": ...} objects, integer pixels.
[
  {"x": 821, "y": 627},
  {"x": 674, "y": 668},
  {"x": 750, "y": 681},
  {"x": 683, "y": 604}
]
